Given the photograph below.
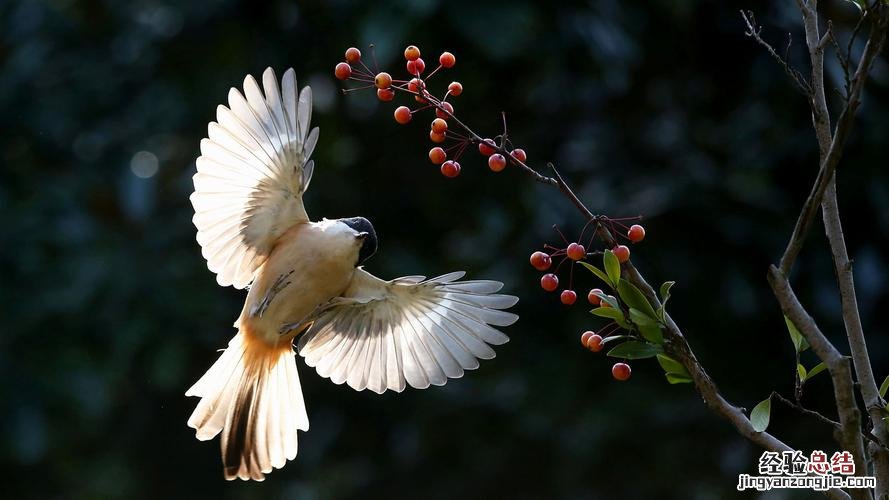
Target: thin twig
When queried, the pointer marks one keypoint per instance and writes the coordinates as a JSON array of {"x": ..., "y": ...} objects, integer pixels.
[{"x": 753, "y": 31}]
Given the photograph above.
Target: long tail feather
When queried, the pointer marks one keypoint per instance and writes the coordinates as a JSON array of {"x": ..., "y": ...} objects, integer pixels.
[{"x": 252, "y": 396}]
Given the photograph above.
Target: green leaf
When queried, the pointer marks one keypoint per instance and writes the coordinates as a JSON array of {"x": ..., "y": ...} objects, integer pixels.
[
  {"x": 674, "y": 378},
  {"x": 641, "y": 319},
  {"x": 613, "y": 338},
  {"x": 598, "y": 272},
  {"x": 799, "y": 342},
  {"x": 665, "y": 296},
  {"x": 820, "y": 367},
  {"x": 801, "y": 372},
  {"x": 884, "y": 386},
  {"x": 761, "y": 414},
  {"x": 633, "y": 349},
  {"x": 652, "y": 333},
  {"x": 612, "y": 313},
  {"x": 634, "y": 298},
  {"x": 665, "y": 291},
  {"x": 612, "y": 267},
  {"x": 611, "y": 301},
  {"x": 670, "y": 365}
]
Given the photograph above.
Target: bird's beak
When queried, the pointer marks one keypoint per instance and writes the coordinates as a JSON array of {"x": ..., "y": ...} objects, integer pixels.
[{"x": 361, "y": 235}]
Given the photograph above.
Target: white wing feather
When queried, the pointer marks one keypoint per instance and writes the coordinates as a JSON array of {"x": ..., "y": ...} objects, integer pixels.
[
  {"x": 253, "y": 170},
  {"x": 389, "y": 334}
]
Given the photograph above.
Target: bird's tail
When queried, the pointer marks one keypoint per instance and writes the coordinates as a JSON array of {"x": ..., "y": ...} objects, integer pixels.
[{"x": 252, "y": 395}]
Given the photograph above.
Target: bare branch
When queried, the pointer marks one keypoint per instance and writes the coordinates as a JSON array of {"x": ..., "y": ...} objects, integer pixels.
[{"x": 753, "y": 31}]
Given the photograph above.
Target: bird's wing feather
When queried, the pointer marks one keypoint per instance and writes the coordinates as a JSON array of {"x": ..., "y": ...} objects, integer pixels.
[
  {"x": 383, "y": 335},
  {"x": 253, "y": 170}
]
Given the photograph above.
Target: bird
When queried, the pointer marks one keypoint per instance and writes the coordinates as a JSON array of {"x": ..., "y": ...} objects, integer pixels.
[{"x": 307, "y": 289}]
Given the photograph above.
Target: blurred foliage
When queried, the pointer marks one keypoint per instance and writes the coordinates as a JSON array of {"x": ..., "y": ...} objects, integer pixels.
[{"x": 657, "y": 108}]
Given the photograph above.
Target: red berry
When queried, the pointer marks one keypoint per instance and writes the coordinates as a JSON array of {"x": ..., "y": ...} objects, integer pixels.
[
  {"x": 437, "y": 155},
  {"x": 622, "y": 252},
  {"x": 568, "y": 297},
  {"x": 519, "y": 154},
  {"x": 420, "y": 99},
  {"x": 450, "y": 168},
  {"x": 486, "y": 147},
  {"x": 416, "y": 66},
  {"x": 636, "y": 233},
  {"x": 416, "y": 85},
  {"x": 621, "y": 371},
  {"x": 385, "y": 95},
  {"x": 342, "y": 71},
  {"x": 496, "y": 162},
  {"x": 402, "y": 114},
  {"x": 585, "y": 337},
  {"x": 576, "y": 251},
  {"x": 455, "y": 88},
  {"x": 411, "y": 52},
  {"x": 594, "y": 343},
  {"x": 447, "y": 107},
  {"x": 447, "y": 60},
  {"x": 353, "y": 55},
  {"x": 541, "y": 261},
  {"x": 439, "y": 126},
  {"x": 549, "y": 282},
  {"x": 382, "y": 80},
  {"x": 593, "y": 298},
  {"x": 435, "y": 137}
]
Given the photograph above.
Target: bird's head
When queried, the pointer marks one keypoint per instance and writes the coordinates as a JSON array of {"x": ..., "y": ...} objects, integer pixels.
[{"x": 365, "y": 234}]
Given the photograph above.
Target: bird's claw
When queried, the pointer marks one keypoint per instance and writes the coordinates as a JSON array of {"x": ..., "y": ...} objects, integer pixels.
[{"x": 279, "y": 284}]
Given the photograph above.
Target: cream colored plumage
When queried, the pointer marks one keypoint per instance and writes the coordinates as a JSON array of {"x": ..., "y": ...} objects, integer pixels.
[{"x": 306, "y": 283}]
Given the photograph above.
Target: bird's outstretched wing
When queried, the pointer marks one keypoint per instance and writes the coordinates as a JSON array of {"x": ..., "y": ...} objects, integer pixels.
[
  {"x": 382, "y": 335},
  {"x": 253, "y": 170}
]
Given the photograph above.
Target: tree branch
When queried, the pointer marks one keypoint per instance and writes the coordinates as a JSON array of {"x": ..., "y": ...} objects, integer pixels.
[{"x": 837, "y": 365}]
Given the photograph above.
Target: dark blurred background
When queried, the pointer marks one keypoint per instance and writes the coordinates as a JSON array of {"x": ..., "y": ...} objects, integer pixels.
[{"x": 658, "y": 108}]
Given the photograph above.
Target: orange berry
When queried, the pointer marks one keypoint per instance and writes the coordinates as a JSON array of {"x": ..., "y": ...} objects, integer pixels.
[
  {"x": 439, "y": 126},
  {"x": 541, "y": 261},
  {"x": 575, "y": 251},
  {"x": 402, "y": 114},
  {"x": 455, "y": 88},
  {"x": 447, "y": 107},
  {"x": 621, "y": 371},
  {"x": 437, "y": 155},
  {"x": 594, "y": 343},
  {"x": 411, "y": 52},
  {"x": 585, "y": 337},
  {"x": 382, "y": 80},
  {"x": 416, "y": 85},
  {"x": 353, "y": 55},
  {"x": 342, "y": 71},
  {"x": 593, "y": 296},
  {"x": 622, "y": 252},
  {"x": 519, "y": 154},
  {"x": 450, "y": 168},
  {"x": 447, "y": 60},
  {"x": 416, "y": 66},
  {"x": 636, "y": 233},
  {"x": 568, "y": 297},
  {"x": 486, "y": 147},
  {"x": 549, "y": 282},
  {"x": 435, "y": 137},
  {"x": 496, "y": 162},
  {"x": 385, "y": 95}
]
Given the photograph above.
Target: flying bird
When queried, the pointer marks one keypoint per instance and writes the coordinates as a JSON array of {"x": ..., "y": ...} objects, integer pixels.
[{"x": 307, "y": 285}]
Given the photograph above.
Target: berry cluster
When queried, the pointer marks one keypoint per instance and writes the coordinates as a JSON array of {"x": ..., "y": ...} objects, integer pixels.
[
  {"x": 627, "y": 309},
  {"x": 445, "y": 127},
  {"x": 576, "y": 252}
]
